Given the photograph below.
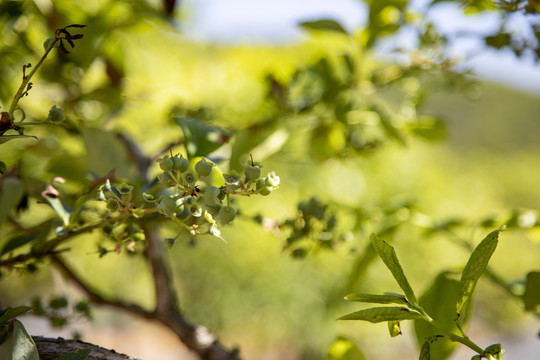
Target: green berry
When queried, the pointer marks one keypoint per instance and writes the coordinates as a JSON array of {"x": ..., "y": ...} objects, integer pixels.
[
  {"x": 253, "y": 171},
  {"x": 113, "y": 204},
  {"x": 190, "y": 177},
  {"x": 166, "y": 163},
  {"x": 226, "y": 215},
  {"x": 203, "y": 167},
  {"x": 232, "y": 181},
  {"x": 56, "y": 114},
  {"x": 211, "y": 196},
  {"x": 195, "y": 210},
  {"x": 167, "y": 205},
  {"x": 262, "y": 188},
  {"x": 125, "y": 189},
  {"x": 148, "y": 197},
  {"x": 180, "y": 163}
]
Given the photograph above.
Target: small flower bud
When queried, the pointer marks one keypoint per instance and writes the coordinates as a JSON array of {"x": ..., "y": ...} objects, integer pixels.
[
  {"x": 203, "y": 167},
  {"x": 56, "y": 114},
  {"x": 272, "y": 179}
]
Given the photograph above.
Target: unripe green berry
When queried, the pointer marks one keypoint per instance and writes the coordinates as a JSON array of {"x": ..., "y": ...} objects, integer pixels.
[
  {"x": 148, "y": 197},
  {"x": 113, "y": 204},
  {"x": 203, "y": 167},
  {"x": 167, "y": 205},
  {"x": 56, "y": 114},
  {"x": 195, "y": 210},
  {"x": 190, "y": 177},
  {"x": 252, "y": 171},
  {"x": 125, "y": 189},
  {"x": 165, "y": 163},
  {"x": 232, "y": 181},
  {"x": 211, "y": 196},
  {"x": 226, "y": 215},
  {"x": 180, "y": 163},
  {"x": 262, "y": 188}
]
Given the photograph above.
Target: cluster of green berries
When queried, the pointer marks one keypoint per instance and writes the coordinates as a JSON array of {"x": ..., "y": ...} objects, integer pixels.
[
  {"x": 125, "y": 234},
  {"x": 206, "y": 204}
]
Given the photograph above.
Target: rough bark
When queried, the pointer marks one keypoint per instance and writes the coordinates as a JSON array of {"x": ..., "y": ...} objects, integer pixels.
[{"x": 49, "y": 349}]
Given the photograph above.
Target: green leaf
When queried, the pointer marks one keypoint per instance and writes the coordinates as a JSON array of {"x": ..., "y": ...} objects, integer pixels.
[
  {"x": 16, "y": 242},
  {"x": 11, "y": 313},
  {"x": 76, "y": 355},
  {"x": 11, "y": 192},
  {"x": 18, "y": 345},
  {"x": 389, "y": 257},
  {"x": 201, "y": 139},
  {"x": 394, "y": 328},
  {"x": 439, "y": 301},
  {"x": 380, "y": 314},
  {"x": 531, "y": 296},
  {"x": 476, "y": 265},
  {"x": 344, "y": 349},
  {"x": 6, "y": 138},
  {"x": 59, "y": 209},
  {"x": 106, "y": 152},
  {"x": 324, "y": 25},
  {"x": 387, "y": 298},
  {"x": 425, "y": 353}
]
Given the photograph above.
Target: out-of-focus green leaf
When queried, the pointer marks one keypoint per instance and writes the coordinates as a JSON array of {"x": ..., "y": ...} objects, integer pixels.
[
  {"x": 439, "y": 301},
  {"x": 105, "y": 152},
  {"x": 6, "y": 138},
  {"x": 201, "y": 139},
  {"x": 11, "y": 192},
  {"x": 18, "y": 345},
  {"x": 425, "y": 353},
  {"x": 76, "y": 355},
  {"x": 380, "y": 314},
  {"x": 11, "y": 313},
  {"x": 16, "y": 242},
  {"x": 394, "y": 328},
  {"x": 430, "y": 128},
  {"x": 473, "y": 270},
  {"x": 59, "y": 209},
  {"x": 344, "y": 349},
  {"x": 531, "y": 296},
  {"x": 389, "y": 257},
  {"x": 325, "y": 25},
  {"x": 388, "y": 298}
]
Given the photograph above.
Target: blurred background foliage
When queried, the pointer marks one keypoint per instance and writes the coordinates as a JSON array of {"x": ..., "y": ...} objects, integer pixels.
[{"x": 415, "y": 149}]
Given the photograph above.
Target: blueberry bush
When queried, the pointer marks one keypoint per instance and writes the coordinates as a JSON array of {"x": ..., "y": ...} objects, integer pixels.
[{"x": 122, "y": 140}]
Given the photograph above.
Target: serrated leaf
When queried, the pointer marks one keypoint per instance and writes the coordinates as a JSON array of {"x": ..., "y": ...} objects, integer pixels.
[
  {"x": 425, "y": 353},
  {"x": 377, "y": 299},
  {"x": 344, "y": 349},
  {"x": 201, "y": 139},
  {"x": 531, "y": 296},
  {"x": 11, "y": 313},
  {"x": 394, "y": 328},
  {"x": 439, "y": 301},
  {"x": 16, "y": 243},
  {"x": 389, "y": 257},
  {"x": 325, "y": 25},
  {"x": 380, "y": 314},
  {"x": 6, "y": 138},
  {"x": 476, "y": 265},
  {"x": 11, "y": 192},
  {"x": 76, "y": 355}
]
